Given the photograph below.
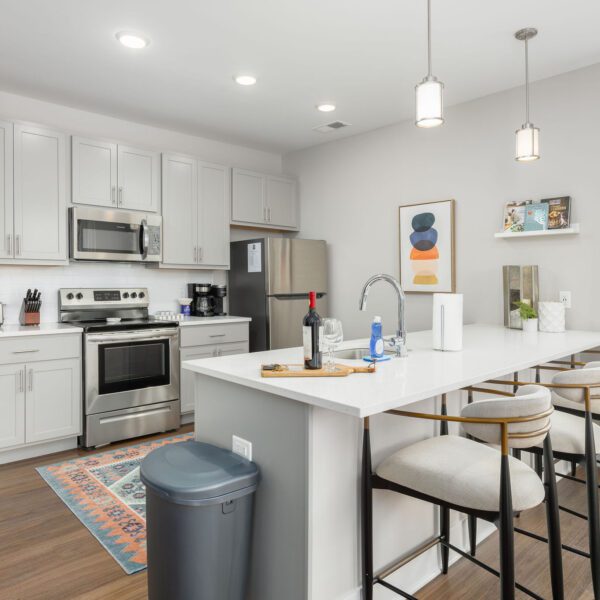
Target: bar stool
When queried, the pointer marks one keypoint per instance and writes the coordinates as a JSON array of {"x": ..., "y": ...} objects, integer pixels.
[
  {"x": 456, "y": 473},
  {"x": 576, "y": 438}
]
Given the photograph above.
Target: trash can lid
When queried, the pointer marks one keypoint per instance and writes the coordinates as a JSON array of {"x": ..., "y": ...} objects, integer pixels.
[{"x": 196, "y": 473}]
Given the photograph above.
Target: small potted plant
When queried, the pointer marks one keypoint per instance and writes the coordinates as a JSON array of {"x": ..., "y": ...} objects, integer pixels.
[{"x": 528, "y": 315}]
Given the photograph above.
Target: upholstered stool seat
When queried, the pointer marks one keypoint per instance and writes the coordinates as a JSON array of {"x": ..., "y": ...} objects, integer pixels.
[
  {"x": 461, "y": 472},
  {"x": 568, "y": 434},
  {"x": 562, "y": 402}
]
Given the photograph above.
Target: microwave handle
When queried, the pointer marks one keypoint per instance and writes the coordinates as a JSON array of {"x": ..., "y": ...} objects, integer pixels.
[{"x": 145, "y": 239}]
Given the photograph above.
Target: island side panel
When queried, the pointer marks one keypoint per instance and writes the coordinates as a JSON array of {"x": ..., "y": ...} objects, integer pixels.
[{"x": 278, "y": 430}]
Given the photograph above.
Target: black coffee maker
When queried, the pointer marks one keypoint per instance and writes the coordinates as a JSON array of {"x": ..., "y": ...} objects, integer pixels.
[
  {"x": 217, "y": 296},
  {"x": 201, "y": 299}
]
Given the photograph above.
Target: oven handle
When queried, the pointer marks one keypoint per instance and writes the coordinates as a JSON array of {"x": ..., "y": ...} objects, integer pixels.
[
  {"x": 114, "y": 337},
  {"x": 145, "y": 239}
]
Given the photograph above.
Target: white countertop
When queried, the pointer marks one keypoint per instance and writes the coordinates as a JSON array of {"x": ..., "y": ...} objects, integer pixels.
[
  {"x": 489, "y": 351},
  {"x": 188, "y": 321},
  {"x": 15, "y": 330}
]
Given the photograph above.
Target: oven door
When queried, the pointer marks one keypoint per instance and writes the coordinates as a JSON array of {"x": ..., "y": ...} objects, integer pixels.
[
  {"x": 114, "y": 235},
  {"x": 128, "y": 369}
]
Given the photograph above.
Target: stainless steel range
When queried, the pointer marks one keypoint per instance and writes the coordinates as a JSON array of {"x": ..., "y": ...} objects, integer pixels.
[{"x": 130, "y": 364}]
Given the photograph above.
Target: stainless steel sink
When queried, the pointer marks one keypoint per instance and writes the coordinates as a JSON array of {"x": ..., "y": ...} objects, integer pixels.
[{"x": 355, "y": 353}]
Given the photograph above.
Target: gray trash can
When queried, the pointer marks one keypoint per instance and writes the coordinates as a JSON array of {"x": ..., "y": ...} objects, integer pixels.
[{"x": 199, "y": 521}]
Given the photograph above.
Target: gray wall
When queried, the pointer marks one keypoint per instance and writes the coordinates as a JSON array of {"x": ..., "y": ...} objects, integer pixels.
[{"x": 351, "y": 190}]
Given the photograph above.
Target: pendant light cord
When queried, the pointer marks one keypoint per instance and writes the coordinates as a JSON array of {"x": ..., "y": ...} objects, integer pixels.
[
  {"x": 429, "y": 38},
  {"x": 527, "y": 81}
]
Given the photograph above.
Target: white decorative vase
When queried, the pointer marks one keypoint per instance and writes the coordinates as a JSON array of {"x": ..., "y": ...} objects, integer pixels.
[
  {"x": 530, "y": 325},
  {"x": 552, "y": 316}
]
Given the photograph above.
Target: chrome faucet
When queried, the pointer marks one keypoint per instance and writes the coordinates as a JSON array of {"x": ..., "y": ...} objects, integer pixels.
[{"x": 398, "y": 342}]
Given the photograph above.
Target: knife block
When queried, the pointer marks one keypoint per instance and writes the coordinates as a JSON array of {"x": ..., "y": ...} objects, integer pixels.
[{"x": 28, "y": 318}]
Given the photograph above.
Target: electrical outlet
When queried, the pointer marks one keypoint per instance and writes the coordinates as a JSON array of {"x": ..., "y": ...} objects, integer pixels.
[
  {"x": 241, "y": 446},
  {"x": 565, "y": 298}
]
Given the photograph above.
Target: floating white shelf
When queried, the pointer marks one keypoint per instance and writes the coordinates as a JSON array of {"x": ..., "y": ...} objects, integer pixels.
[{"x": 519, "y": 234}]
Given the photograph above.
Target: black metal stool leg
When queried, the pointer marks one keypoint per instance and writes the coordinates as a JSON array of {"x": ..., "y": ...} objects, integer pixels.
[
  {"x": 445, "y": 533},
  {"x": 538, "y": 462},
  {"x": 592, "y": 497},
  {"x": 553, "y": 523},
  {"x": 367, "y": 515},
  {"x": 472, "y": 521},
  {"x": 506, "y": 530}
]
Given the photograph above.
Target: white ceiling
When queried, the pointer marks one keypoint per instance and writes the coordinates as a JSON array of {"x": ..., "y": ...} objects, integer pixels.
[{"x": 365, "y": 56}]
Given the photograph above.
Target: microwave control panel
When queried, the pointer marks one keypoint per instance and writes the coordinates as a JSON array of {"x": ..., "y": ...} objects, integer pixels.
[{"x": 154, "y": 243}]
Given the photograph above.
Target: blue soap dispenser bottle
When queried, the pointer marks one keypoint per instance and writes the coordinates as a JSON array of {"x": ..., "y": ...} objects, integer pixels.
[{"x": 376, "y": 344}]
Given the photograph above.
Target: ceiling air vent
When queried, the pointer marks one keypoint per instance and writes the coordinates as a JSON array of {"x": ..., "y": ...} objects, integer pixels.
[{"x": 329, "y": 127}]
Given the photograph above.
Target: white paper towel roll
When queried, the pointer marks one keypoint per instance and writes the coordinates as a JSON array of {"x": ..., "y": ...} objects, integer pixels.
[{"x": 447, "y": 322}]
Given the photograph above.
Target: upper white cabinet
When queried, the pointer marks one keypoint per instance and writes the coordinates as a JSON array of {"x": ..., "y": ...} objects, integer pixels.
[
  {"x": 263, "y": 200},
  {"x": 6, "y": 190},
  {"x": 195, "y": 209},
  {"x": 213, "y": 215},
  {"x": 113, "y": 175},
  {"x": 94, "y": 165},
  {"x": 39, "y": 210}
]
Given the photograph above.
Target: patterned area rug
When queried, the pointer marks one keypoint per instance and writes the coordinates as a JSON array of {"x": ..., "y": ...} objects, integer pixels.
[{"x": 105, "y": 493}]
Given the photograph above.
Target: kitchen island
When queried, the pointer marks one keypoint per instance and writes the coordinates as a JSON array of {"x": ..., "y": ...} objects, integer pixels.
[{"x": 306, "y": 436}]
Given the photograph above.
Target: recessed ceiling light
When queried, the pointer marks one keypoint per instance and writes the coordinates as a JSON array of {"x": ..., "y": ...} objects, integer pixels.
[
  {"x": 245, "y": 79},
  {"x": 326, "y": 107},
  {"x": 132, "y": 40}
]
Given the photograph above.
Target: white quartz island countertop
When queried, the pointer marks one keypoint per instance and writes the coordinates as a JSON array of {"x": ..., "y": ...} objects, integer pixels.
[
  {"x": 489, "y": 351},
  {"x": 16, "y": 330}
]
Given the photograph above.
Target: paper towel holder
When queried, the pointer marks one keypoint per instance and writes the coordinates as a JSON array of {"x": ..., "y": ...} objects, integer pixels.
[{"x": 447, "y": 322}]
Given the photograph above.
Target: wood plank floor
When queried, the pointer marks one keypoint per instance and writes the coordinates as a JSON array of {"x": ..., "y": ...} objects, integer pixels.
[{"x": 47, "y": 554}]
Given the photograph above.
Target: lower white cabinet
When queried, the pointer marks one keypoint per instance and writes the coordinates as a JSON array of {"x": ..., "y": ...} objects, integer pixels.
[
  {"x": 40, "y": 400},
  {"x": 52, "y": 400},
  {"x": 12, "y": 406},
  {"x": 208, "y": 350}
]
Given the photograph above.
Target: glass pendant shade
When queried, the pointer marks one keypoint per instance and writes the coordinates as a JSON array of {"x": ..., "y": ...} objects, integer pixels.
[
  {"x": 430, "y": 102},
  {"x": 528, "y": 143}
]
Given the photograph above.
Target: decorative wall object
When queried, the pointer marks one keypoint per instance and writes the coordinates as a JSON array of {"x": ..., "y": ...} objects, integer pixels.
[
  {"x": 559, "y": 212},
  {"x": 552, "y": 316},
  {"x": 521, "y": 284},
  {"x": 427, "y": 262}
]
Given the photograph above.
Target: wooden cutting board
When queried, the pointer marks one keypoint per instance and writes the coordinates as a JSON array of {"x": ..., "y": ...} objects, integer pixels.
[{"x": 300, "y": 371}]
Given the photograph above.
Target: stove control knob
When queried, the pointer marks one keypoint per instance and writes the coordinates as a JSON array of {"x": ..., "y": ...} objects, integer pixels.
[
  {"x": 79, "y": 296},
  {"x": 70, "y": 296},
  {"x": 125, "y": 294},
  {"x": 133, "y": 295},
  {"x": 142, "y": 295}
]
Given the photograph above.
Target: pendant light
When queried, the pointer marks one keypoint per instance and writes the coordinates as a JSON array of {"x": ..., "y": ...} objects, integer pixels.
[
  {"x": 429, "y": 93},
  {"x": 528, "y": 136}
]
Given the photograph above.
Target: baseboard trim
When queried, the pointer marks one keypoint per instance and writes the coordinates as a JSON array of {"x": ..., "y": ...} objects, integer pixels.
[{"x": 34, "y": 450}]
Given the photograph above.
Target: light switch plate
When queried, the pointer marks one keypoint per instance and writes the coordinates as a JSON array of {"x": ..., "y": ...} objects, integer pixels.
[
  {"x": 565, "y": 298},
  {"x": 241, "y": 446}
]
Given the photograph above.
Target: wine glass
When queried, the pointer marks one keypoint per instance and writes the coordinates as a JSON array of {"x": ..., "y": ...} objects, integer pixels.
[{"x": 332, "y": 335}]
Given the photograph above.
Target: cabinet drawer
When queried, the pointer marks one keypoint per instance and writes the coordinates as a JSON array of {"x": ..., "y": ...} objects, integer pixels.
[
  {"x": 27, "y": 349},
  {"x": 201, "y": 335}
]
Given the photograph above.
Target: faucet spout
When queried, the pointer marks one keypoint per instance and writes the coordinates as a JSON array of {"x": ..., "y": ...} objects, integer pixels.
[{"x": 398, "y": 342}]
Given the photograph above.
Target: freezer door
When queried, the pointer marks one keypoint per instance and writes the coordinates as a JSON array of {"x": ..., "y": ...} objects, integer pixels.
[
  {"x": 296, "y": 266},
  {"x": 285, "y": 319}
]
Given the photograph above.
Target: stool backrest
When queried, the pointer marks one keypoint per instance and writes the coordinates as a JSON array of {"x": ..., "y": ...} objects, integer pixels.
[
  {"x": 529, "y": 401},
  {"x": 588, "y": 375}
]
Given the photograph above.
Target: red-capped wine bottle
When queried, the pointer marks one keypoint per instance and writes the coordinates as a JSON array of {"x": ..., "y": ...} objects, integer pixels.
[{"x": 311, "y": 335}]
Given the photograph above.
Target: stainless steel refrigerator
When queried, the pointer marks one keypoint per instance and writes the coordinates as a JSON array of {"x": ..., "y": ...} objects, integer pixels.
[{"x": 269, "y": 281}]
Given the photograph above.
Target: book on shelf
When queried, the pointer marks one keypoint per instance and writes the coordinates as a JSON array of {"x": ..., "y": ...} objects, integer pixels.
[
  {"x": 514, "y": 215},
  {"x": 536, "y": 216},
  {"x": 559, "y": 212}
]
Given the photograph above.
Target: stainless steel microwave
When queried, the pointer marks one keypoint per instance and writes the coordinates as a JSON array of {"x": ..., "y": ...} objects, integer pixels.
[{"x": 114, "y": 235}]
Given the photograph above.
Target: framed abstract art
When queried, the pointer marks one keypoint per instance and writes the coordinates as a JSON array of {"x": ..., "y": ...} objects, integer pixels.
[{"x": 427, "y": 247}]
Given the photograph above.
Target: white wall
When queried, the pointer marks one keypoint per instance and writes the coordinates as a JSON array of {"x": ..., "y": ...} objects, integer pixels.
[
  {"x": 165, "y": 286},
  {"x": 351, "y": 190}
]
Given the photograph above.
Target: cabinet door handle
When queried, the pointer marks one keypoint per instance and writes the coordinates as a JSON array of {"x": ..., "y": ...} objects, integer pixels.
[
  {"x": 21, "y": 380},
  {"x": 113, "y": 194},
  {"x": 195, "y": 254},
  {"x": 24, "y": 351},
  {"x": 269, "y": 214},
  {"x": 200, "y": 253},
  {"x": 17, "y": 245},
  {"x": 120, "y": 199},
  {"x": 217, "y": 335},
  {"x": 9, "y": 244},
  {"x": 264, "y": 213},
  {"x": 30, "y": 373}
]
